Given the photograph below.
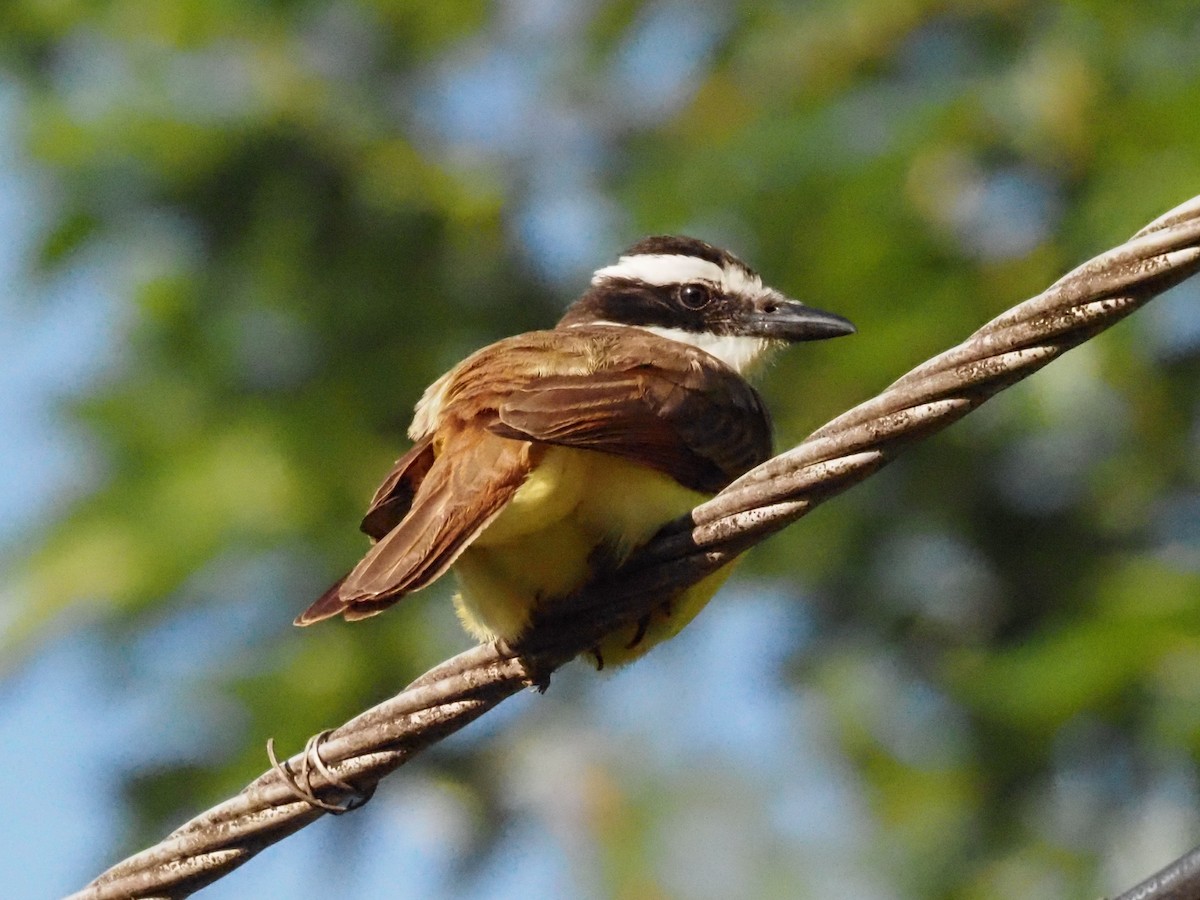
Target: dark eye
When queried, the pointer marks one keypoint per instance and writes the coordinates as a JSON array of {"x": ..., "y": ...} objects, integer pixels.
[{"x": 694, "y": 296}]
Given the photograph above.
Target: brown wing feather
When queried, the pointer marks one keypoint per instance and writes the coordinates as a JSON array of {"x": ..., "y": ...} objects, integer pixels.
[
  {"x": 394, "y": 498},
  {"x": 470, "y": 482},
  {"x": 617, "y": 381},
  {"x": 388, "y": 508},
  {"x": 608, "y": 415},
  {"x": 466, "y": 487},
  {"x": 328, "y": 605},
  {"x": 686, "y": 415}
]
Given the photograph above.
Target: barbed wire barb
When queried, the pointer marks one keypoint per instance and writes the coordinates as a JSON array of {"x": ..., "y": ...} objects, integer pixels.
[{"x": 354, "y": 757}]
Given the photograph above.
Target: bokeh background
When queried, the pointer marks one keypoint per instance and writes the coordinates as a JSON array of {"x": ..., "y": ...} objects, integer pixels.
[{"x": 237, "y": 238}]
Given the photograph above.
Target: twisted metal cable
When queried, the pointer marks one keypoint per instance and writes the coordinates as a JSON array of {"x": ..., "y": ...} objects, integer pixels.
[
  {"x": 341, "y": 769},
  {"x": 1179, "y": 880}
]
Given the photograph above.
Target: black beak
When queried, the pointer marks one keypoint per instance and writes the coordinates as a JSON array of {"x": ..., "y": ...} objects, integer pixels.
[{"x": 775, "y": 316}]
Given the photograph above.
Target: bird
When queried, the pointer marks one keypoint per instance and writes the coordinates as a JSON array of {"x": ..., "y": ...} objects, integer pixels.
[{"x": 546, "y": 459}]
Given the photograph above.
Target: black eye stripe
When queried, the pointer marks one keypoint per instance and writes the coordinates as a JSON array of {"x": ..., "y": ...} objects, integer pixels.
[{"x": 632, "y": 301}]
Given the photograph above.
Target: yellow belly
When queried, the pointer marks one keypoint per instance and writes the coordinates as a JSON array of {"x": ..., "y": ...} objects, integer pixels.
[{"x": 577, "y": 508}]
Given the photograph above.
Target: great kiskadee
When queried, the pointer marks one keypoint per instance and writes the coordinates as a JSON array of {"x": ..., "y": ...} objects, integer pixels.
[{"x": 543, "y": 458}]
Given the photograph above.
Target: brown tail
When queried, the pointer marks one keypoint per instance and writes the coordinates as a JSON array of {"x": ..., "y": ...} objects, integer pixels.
[
  {"x": 328, "y": 605},
  {"x": 460, "y": 495},
  {"x": 332, "y": 603}
]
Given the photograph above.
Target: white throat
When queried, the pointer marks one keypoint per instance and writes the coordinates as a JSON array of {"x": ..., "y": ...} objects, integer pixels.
[{"x": 742, "y": 353}]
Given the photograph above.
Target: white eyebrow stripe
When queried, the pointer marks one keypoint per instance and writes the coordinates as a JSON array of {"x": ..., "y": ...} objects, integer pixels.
[
  {"x": 661, "y": 269},
  {"x": 738, "y": 281}
]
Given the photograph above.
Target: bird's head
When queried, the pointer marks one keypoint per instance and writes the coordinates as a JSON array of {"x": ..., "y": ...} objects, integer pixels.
[{"x": 686, "y": 290}]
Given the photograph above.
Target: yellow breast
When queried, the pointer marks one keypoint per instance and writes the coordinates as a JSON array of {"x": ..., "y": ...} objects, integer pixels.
[{"x": 577, "y": 508}]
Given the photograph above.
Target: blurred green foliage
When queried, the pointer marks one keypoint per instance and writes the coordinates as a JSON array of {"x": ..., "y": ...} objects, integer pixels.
[{"x": 311, "y": 209}]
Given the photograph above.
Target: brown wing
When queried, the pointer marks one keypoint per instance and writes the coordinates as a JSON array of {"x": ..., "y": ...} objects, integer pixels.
[
  {"x": 685, "y": 413},
  {"x": 466, "y": 487},
  {"x": 394, "y": 498}
]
